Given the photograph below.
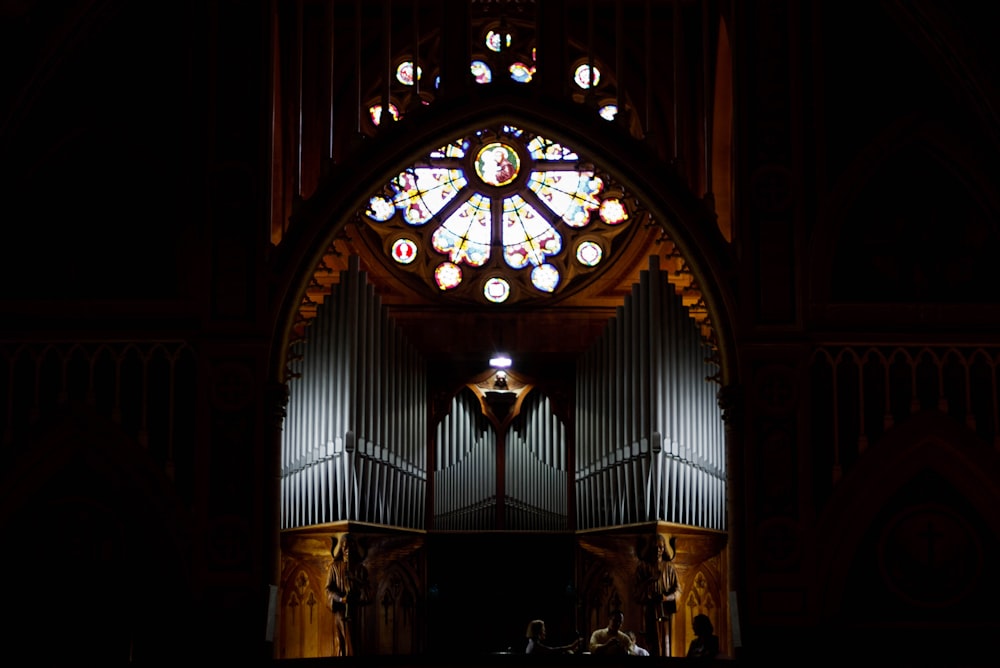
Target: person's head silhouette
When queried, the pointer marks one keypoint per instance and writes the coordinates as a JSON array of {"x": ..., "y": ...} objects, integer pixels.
[{"x": 702, "y": 625}]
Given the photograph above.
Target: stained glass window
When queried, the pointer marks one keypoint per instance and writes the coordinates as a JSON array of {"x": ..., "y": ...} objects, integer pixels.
[
  {"x": 404, "y": 73},
  {"x": 481, "y": 71},
  {"x": 494, "y": 41},
  {"x": 503, "y": 215},
  {"x": 375, "y": 111},
  {"x": 608, "y": 112},
  {"x": 587, "y": 76},
  {"x": 497, "y": 53}
]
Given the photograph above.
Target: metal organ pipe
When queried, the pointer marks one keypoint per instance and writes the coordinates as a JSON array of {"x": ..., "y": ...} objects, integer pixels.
[
  {"x": 341, "y": 390},
  {"x": 651, "y": 447},
  {"x": 606, "y": 443},
  {"x": 619, "y": 382},
  {"x": 465, "y": 477},
  {"x": 346, "y": 455},
  {"x": 536, "y": 476}
]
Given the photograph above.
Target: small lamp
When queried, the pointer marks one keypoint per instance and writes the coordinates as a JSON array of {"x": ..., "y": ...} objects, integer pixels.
[{"x": 501, "y": 361}]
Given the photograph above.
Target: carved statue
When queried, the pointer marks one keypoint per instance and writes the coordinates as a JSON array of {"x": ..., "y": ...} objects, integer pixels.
[
  {"x": 658, "y": 589},
  {"x": 338, "y": 594}
]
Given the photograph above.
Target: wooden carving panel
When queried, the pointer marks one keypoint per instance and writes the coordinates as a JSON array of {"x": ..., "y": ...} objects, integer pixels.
[
  {"x": 386, "y": 573},
  {"x": 608, "y": 567}
]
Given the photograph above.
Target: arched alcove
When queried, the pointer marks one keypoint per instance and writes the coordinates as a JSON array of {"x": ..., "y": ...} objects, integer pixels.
[
  {"x": 695, "y": 257},
  {"x": 677, "y": 253},
  {"x": 920, "y": 519},
  {"x": 686, "y": 229}
]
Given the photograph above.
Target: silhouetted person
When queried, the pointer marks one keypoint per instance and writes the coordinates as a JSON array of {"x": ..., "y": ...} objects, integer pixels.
[
  {"x": 611, "y": 639},
  {"x": 536, "y": 641},
  {"x": 637, "y": 649},
  {"x": 705, "y": 644}
]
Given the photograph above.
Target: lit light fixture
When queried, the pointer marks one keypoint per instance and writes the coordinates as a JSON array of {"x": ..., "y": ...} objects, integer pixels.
[
  {"x": 500, "y": 361},
  {"x": 500, "y": 380}
]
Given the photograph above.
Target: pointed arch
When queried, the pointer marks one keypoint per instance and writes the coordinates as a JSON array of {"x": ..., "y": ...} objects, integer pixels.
[
  {"x": 684, "y": 218},
  {"x": 397, "y": 606},
  {"x": 930, "y": 463}
]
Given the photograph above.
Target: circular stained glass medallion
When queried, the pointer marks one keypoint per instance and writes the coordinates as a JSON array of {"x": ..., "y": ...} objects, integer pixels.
[
  {"x": 380, "y": 208},
  {"x": 404, "y": 251},
  {"x": 404, "y": 73},
  {"x": 448, "y": 275},
  {"x": 585, "y": 76},
  {"x": 589, "y": 253},
  {"x": 481, "y": 71},
  {"x": 496, "y": 290},
  {"x": 494, "y": 41},
  {"x": 497, "y": 209},
  {"x": 613, "y": 211},
  {"x": 497, "y": 164},
  {"x": 545, "y": 277},
  {"x": 521, "y": 73}
]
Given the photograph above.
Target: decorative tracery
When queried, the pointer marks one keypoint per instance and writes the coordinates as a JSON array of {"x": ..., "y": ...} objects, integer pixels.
[
  {"x": 503, "y": 215},
  {"x": 503, "y": 50}
]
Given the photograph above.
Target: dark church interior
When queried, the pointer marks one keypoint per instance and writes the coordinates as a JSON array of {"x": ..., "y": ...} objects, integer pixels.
[{"x": 366, "y": 332}]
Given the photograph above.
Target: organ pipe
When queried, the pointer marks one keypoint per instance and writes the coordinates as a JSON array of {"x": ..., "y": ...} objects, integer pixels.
[
  {"x": 537, "y": 480},
  {"x": 535, "y": 475},
  {"x": 465, "y": 476},
  {"x": 347, "y": 455},
  {"x": 649, "y": 442}
]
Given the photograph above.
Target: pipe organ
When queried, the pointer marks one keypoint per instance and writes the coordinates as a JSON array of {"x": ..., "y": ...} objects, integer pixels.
[
  {"x": 465, "y": 479},
  {"x": 650, "y": 442},
  {"x": 354, "y": 441},
  {"x": 649, "y": 439},
  {"x": 536, "y": 480}
]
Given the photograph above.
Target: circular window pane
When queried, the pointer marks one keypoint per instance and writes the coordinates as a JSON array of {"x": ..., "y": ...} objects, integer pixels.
[
  {"x": 582, "y": 77},
  {"x": 496, "y": 202},
  {"x": 521, "y": 73},
  {"x": 493, "y": 42},
  {"x": 496, "y": 290},
  {"x": 404, "y": 73},
  {"x": 545, "y": 277},
  {"x": 613, "y": 211},
  {"x": 481, "y": 71},
  {"x": 404, "y": 251},
  {"x": 380, "y": 208},
  {"x": 497, "y": 164},
  {"x": 448, "y": 275},
  {"x": 589, "y": 253}
]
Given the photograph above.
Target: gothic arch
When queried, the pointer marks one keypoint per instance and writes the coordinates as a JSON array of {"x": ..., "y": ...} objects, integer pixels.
[
  {"x": 928, "y": 465},
  {"x": 397, "y": 605},
  {"x": 304, "y": 614},
  {"x": 685, "y": 219}
]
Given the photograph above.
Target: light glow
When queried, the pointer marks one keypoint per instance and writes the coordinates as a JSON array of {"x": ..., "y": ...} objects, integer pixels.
[{"x": 501, "y": 361}]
